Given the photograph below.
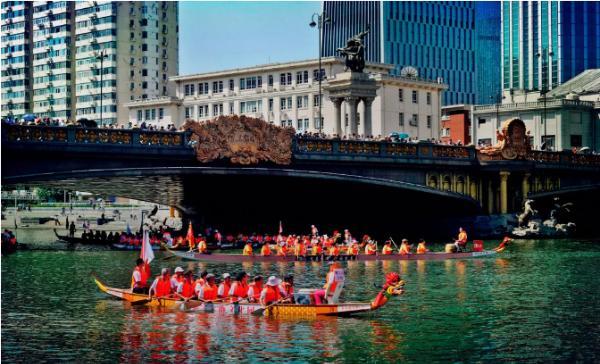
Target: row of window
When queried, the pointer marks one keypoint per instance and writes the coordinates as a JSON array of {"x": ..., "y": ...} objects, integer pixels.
[
  {"x": 98, "y": 21},
  {"x": 15, "y": 83},
  {"x": 51, "y": 66},
  {"x": 96, "y": 97},
  {"x": 13, "y": 14},
  {"x": 13, "y": 37},
  {"x": 59, "y": 77},
  {"x": 50, "y": 18},
  {"x": 95, "y": 9},
  {"x": 15, "y": 48},
  {"x": 52, "y": 42},
  {"x": 13, "y": 26},
  {"x": 415, "y": 96},
  {"x": 14, "y": 95},
  {"x": 53, "y": 53},
  {"x": 13, "y": 72},
  {"x": 150, "y": 114},
  {"x": 414, "y": 121},
  {"x": 51, "y": 30},
  {"x": 94, "y": 60},
  {"x": 96, "y": 110},
  {"x": 54, "y": 102},
  {"x": 51, "y": 90},
  {"x": 97, "y": 33},
  {"x": 252, "y": 82},
  {"x": 13, "y": 60},
  {"x": 50, "y": 5},
  {"x": 96, "y": 47},
  {"x": 96, "y": 72},
  {"x": 96, "y": 84}
]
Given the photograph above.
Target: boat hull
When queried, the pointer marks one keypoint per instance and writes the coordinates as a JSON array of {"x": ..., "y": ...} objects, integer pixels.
[
  {"x": 131, "y": 247},
  {"x": 239, "y": 258}
]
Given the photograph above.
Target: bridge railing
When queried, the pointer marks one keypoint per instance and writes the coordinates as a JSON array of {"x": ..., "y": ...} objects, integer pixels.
[
  {"x": 78, "y": 135},
  {"x": 342, "y": 148}
]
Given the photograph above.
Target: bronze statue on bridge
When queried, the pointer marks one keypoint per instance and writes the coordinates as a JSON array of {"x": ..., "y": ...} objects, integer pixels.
[{"x": 354, "y": 51}]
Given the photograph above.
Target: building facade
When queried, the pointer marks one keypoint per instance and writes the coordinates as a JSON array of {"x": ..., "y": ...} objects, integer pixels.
[
  {"x": 456, "y": 124},
  {"x": 87, "y": 58},
  {"x": 567, "y": 117},
  {"x": 287, "y": 94},
  {"x": 438, "y": 39},
  {"x": 545, "y": 43}
]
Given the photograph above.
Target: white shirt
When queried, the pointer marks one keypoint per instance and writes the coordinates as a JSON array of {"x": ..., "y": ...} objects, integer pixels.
[
  {"x": 221, "y": 291},
  {"x": 174, "y": 282},
  {"x": 137, "y": 277},
  {"x": 153, "y": 286}
]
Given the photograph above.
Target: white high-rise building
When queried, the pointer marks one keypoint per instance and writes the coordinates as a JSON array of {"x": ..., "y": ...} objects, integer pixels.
[{"x": 88, "y": 58}]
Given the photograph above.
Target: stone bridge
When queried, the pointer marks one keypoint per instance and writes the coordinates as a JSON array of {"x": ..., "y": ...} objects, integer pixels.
[{"x": 348, "y": 177}]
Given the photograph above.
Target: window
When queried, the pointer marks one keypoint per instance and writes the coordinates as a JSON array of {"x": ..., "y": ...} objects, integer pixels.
[
  {"x": 400, "y": 95},
  {"x": 446, "y": 132},
  {"x": 270, "y": 104},
  {"x": 306, "y": 121},
  {"x": 316, "y": 100},
  {"x": 147, "y": 114},
  {"x": 415, "y": 97},
  {"x": 144, "y": 85},
  {"x": 270, "y": 80},
  {"x": 481, "y": 121},
  {"x": 217, "y": 109},
  {"x": 401, "y": 119},
  {"x": 415, "y": 120},
  {"x": 316, "y": 75},
  {"x": 286, "y": 103},
  {"x": 144, "y": 34},
  {"x": 203, "y": 88},
  {"x": 248, "y": 83},
  {"x": 301, "y": 77},
  {"x": 131, "y": 73},
  {"x": 144, "y": 60},
  {"x": 259, "y": 81},
  {"x": 202, "y": 111},
  {"x": 153, "y": 114},
  {"x": 217, "y": 87},
  {"x": 144, "y": 47},
  {"x": 188, "y": 90},
  {"x": 231, "y": 109},
  {"x": 161, "y": 113},
  {"x": 429, "y": 98},
  {"x": 285, "y": 79},
  {"x": 250, "y": 106},
  {"x": 299, "y": 124},
  {"x": 131, "y": 35},
  {"x": 429, "y": 121},
  {"x": 189, "y": 112},
  {"x": 318, "y": 123},
  {"x": 144, "y": 72},
  {"x": 231, "y": 85},
  {"x": 302, "y": 102},
  {"x": 576, "y": 141},
  {"x": 139, "y": 115}
]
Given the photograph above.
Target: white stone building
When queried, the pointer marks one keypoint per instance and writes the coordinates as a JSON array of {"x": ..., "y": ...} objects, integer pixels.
[
  {"x": 54, "y": 48},
  {"x": 287, "y": 94},
  {"x": 570, "y": 112}
]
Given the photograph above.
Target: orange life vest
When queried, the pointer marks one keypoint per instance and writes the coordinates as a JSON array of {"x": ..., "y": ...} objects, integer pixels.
[
  {"x": 462, "y": 237},
  {"x": 327, "y": 284},
  {"x": 287, "y": 288},
  {"x": 256, "y": 290},
  {"x": 265, "y": 251},
  {"x": 240, "y": 290},
  {"x": 143, "y": 279},
  {"x": 370, "y": 249},
  {"x": 247, "y": 249},
  {"x": 187, "y": 290},
  {"x": 281, "y": 250},
  {"x": 404, "y": 249},
  {"x": 387, "y": 250},
  {"x": 334, "y": 251},
  {"x": 421, "y": 249},
  {"x": 202, "y": 246},
  {"x": 226, "y": 288},
  {"x": 272, "y": 294},
  {"x": 163, "y": 287},
  {"x": 353, "y": 250},
  {"x": 299, "y": 249},
  {"x": 210, "y": 292}
]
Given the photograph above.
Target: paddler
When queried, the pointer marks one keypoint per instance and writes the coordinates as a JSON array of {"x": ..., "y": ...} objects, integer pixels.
[
  {"x": 139, "y": 278},
  {"x": 202, "y": 248},
  {"x": 185, "y": 290},
  {"x": 270, "y": 294},
  {"x": 209, "y": 289},
  {"x": 200, "y": 282},
  {"x": 370, "y": 248},
  {"x": 461, "y": 242},
  {"x": 316, "y": 250},
  {"x": 387, "y": 248},
  {"x": 353, "y": 249},
  {"x": 265, "y": 251},
  {"x": 404, "y": 247},
  {"x": 177, "y": 278},
  {"x": 299, "y": 249},
  {"x": 255, "y": 288},
  {"x": 334, "y": 252},
  {"x": 281, "y": 249},
  {"x": 286, "y": 288},
  {"x": 161, "y": 287},
  {"x": 422, "y": 248},
  {"x": 239, "y": 288},
  {"x": 319, "y": 294},
  {"x": 224, "y": 287},
  {"x": 247, "y": 248}
]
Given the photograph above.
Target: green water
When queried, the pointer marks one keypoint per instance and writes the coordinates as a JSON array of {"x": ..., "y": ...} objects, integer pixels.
[{"x": 538, "y": 302}]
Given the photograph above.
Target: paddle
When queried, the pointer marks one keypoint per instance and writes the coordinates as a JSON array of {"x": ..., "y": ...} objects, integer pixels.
[
  {"x": 393, "y": 242},
  {"x": 260, "y": 311},
  {"x": 143, "y": 301}
]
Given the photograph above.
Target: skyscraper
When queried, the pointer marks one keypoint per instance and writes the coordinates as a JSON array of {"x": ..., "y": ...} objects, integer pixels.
[
  {"x": 438, "y": 39},
  {"x": 545, "y": 43},
  {"x": 70, "y": 60}
]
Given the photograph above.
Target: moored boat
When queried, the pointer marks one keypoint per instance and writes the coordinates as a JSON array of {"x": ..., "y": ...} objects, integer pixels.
[
  {"x": 390, "y": 288},
  {"x": 119, "y": 246},
  {"x": 239, "y": 258},
  {"x": 76, "y": 240}
]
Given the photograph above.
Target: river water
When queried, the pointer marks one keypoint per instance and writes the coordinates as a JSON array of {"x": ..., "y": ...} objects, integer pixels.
[{"x": 540, "y": 301}]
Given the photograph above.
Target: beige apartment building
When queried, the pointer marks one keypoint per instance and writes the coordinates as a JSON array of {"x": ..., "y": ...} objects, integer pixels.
[
  {"x": 70, "y": 60},
  {"x": 287, "y": 94}
]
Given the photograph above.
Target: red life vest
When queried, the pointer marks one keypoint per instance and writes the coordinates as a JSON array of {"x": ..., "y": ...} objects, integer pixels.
[
  {"x": 226, "y": 288},
  {"x": 210, "y": 292},
  {"x": 265, "y": 250},
  {"x": 143, "y": 278},
  {"x": 256, "y": 289},
  {"x": 187, "y": 290},
  {"x": 272, "y": 295},
  {"x": 163, "y": 287},
  {"x": 240, "y": 290},
  {"x": 287, "y": 288}
]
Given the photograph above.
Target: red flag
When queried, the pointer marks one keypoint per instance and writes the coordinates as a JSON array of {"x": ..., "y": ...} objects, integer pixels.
[{"x": 190, "y": 236}]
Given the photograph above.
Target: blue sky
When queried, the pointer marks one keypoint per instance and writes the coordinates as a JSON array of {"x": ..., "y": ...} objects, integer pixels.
[{"x": 222, "y": 35}]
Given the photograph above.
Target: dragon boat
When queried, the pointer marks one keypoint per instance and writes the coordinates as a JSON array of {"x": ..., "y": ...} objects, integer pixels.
[
  {"x": 239, "y": 258},
  {"x": 392, "y": 287}
]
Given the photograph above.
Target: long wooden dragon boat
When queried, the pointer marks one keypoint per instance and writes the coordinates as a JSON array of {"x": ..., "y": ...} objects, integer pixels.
[
  {"x": 392, "y": 287},
  {"x": 239, "y": 258}
]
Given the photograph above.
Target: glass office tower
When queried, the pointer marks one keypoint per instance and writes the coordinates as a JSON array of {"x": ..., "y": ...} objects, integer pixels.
[
  {"x": 439, "y": 39},
  {"x": 545, "y": 43}
]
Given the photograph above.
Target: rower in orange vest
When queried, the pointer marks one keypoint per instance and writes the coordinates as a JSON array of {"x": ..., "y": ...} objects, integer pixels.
[
  {"x": 316, "y": 249},
  {"x": 370, "y": 248},
  {"x": 319, "y": 294},
  {"x": 199, "y": 283},
  {"x": 139, "y": 278},
  {"x": 224, "y": 287},
  {"x": 334, "y": 251},
  {"x": 177, "y": 278},
  {"x": 265, "y": 251},
  {"x": 202, "y": 248},
  {"x": 421, "y": 248},
  {"x": 247, "y": 249},
  {"x": 387, "y": 248},
  {"x": 299, "y": 249},
  {"x": 209, "y": 289},
  {"x": 255, "y": 288},
  {"x": 270, "y": 294},
  {"x": 404, "y": 248},
  {"x": 286, "y": 288},
  {"x": 161, "y": 287},
  {"x": 461, "y": 242},
  {"x": 239, "y": 288},
  {"x": 185, "y": 291},
  {"x": 281, "y": 249},
  {"x": 353, "y": 250}
]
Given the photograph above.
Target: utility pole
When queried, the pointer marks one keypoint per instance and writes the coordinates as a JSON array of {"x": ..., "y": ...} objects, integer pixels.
[
  {"x": 101, "y": 58},
  {"x": 321, "y": 19}
]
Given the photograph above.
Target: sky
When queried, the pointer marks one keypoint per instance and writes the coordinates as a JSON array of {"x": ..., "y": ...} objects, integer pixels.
[{"x": 216, "y": 36}]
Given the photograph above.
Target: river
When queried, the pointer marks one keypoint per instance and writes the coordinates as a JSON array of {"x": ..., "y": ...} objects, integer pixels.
[{"x": 539, "y": 301}]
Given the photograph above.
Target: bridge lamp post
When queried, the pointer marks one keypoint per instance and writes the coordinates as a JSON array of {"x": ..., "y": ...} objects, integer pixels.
[
  {"x": 544, "y": 89},
  {"x": 101, "y": 57},
  {"x": 318, "y": 20}
]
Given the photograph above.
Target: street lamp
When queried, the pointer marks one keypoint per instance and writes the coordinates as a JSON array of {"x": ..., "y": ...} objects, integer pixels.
[
  {"x": 320, "y": 20},
  {"x": 101, "y": 57}
]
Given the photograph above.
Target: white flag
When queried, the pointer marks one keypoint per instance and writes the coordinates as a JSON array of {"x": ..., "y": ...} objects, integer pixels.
[{"x": 147, "y": 254}]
